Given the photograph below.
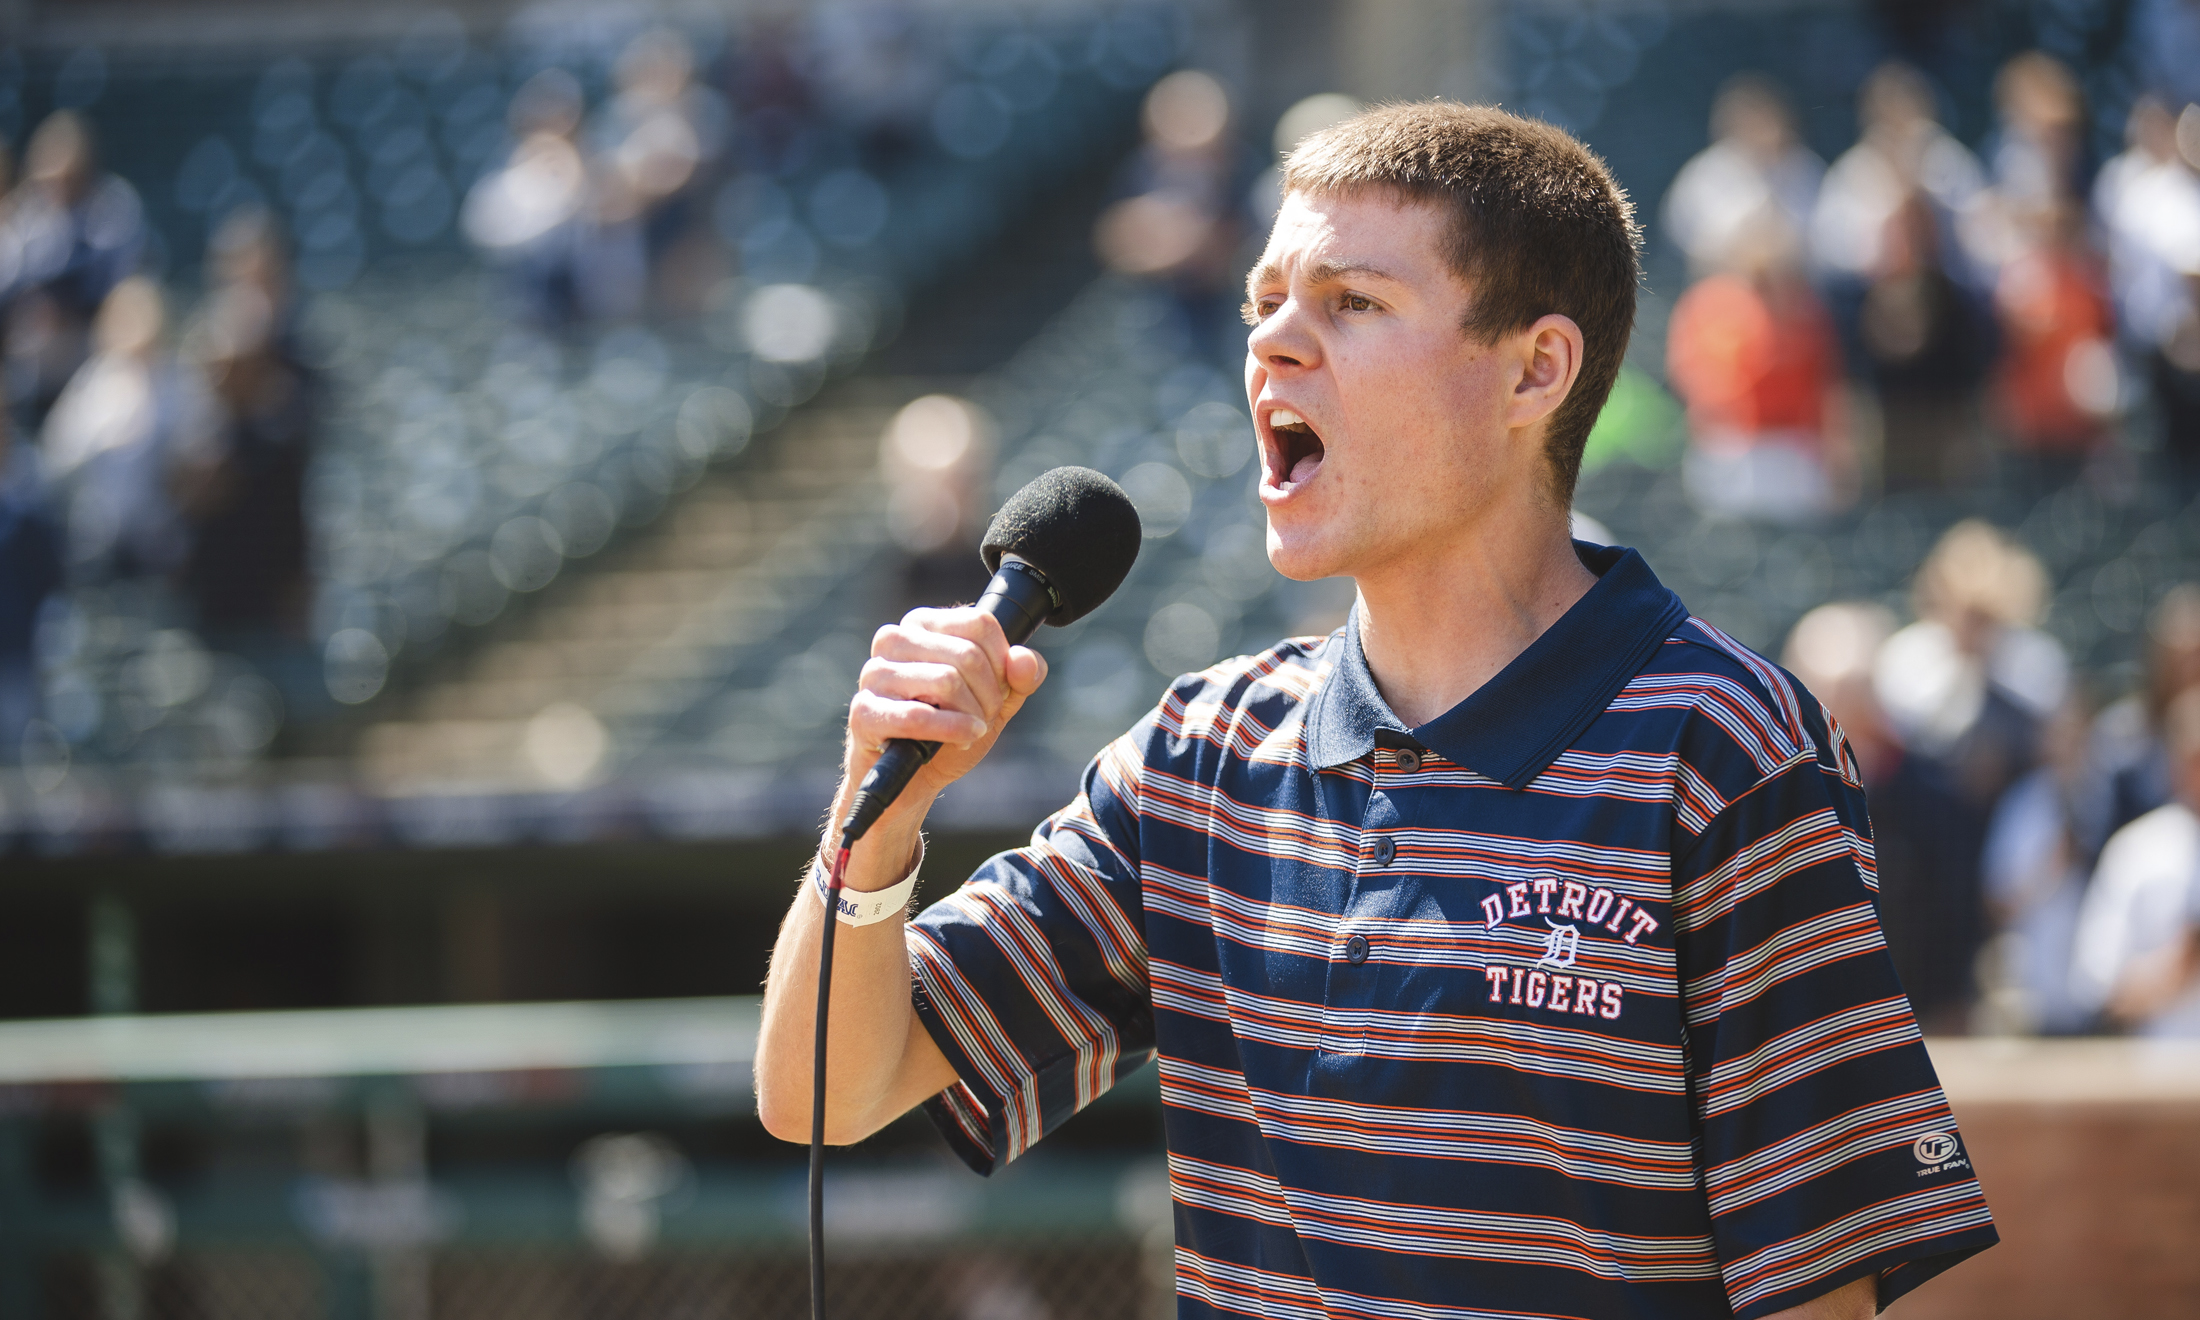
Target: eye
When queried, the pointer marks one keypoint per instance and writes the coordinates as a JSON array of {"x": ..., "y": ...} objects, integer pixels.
[
  {"x": 1358, "y": 302},
  {"x": 1257, "y": 310}
]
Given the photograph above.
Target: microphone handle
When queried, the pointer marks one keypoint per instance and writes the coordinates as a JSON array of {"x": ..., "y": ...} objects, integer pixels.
[{"x": 1020, "y": 599}]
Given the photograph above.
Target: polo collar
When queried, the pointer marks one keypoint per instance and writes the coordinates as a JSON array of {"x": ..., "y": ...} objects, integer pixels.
[{"x": 1516, "y": 724}]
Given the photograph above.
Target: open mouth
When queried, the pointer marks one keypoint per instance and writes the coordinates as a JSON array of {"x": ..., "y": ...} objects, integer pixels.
[{"x": 1297, "y": 451}]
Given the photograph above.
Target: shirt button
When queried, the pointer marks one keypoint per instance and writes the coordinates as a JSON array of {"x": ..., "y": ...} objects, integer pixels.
[
  {"x": 1385, "y": 850},
  {"x": 1409, "y": 761},
  {"x": 1355, "y": 950}
]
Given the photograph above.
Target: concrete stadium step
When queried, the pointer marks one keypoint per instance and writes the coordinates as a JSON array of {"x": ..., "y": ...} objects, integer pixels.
[{"x": 543, "y": 701}]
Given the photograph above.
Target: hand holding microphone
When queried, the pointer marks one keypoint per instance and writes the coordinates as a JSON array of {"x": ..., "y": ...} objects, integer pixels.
[{"x": 1057, "y": 549}]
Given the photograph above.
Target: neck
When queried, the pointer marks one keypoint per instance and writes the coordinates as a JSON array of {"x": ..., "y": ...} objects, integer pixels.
[{"x": 1438, "y": 627}]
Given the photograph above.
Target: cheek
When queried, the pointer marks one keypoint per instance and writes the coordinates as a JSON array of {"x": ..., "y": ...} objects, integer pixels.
[{"x": 1424, "y": 404}]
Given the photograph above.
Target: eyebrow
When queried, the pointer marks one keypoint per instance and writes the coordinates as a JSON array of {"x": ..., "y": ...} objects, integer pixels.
[{"x": 1321, "y": 272}]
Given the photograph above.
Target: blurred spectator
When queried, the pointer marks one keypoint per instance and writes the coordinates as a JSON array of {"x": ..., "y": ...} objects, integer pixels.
[
  {"x": 2128, "y": 765},
  {"x": 1904, "y": 156},
  {"x": 1979, "y": 596},
  {"x": 249, "y": 250},
  {"x": 2148, "y": 203},
  {"x": 2056, "y": 387},
  {"x": 2138, "y": 958},
  {"x": 936, "y": 456},
  {"x": 2038, "y": 155},
  {"x": 1925, "y": 833},
  {"x": 1926, "y": 343},
  {"x": 30, "y": 569},
  {"x": 1179, "y": 223},
  {"x": 70, "y": 235},
  {"x": 2035, "y": 869},
  {"x": 661, "y": 135},
  {"x": 1753, "y": 354},
  {"x": 133, "y": 435},
  {"x": 1884, "y": 234},
  {"x": 566, "y": 231},
  {"x": 246, "y": 572},
  {"x": 1754, "y": 165}
]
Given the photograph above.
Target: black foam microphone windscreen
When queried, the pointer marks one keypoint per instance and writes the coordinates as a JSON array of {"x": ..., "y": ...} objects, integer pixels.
[{"x": 1076, "y": 527}]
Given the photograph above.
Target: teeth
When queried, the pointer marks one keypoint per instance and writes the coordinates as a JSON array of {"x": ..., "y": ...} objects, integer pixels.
[{"x": 1285, "y": 417}]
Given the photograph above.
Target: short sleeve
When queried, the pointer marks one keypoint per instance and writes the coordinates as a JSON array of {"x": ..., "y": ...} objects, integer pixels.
[
  {"x": 1826, "y": 1148},
  {"x": 1032, "y": 977}
]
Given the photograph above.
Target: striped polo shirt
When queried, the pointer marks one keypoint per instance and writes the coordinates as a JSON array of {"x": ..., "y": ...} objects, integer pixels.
[{"x": 1571, "y": 1002}]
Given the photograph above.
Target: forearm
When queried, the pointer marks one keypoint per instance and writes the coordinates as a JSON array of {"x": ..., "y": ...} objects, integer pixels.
[
  {"x": 872, "y": 1025},
  {"x": 948, "y": 677}
]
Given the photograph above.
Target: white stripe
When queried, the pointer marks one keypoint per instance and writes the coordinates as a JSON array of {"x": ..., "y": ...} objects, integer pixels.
[
  {"x": 1738, "y": 1182},
  {"x": 1891, "y": 1025},
  {"x": 1779, "y": 1268}
]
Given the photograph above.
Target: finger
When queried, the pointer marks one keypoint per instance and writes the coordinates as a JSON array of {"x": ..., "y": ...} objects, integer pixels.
[
  {"x": 967, "y": 622},
  {"x": 1027, "y": 669},
  {"x": 932, "y": 653},
  {"x": 941, "y": 685},
  {"x": 872, "y": 719},
  {"x": 980, "y": 670}
]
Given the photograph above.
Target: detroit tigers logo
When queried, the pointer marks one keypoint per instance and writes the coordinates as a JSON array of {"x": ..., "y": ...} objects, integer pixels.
[{"x": 1560, "y": 945}]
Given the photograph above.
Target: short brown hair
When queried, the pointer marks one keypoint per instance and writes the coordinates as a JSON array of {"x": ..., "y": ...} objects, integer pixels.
[{"x": 1537, "y": 226}]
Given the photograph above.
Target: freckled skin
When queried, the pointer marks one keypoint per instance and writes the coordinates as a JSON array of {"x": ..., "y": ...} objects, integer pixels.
[{"x": 1412, "y": 412}]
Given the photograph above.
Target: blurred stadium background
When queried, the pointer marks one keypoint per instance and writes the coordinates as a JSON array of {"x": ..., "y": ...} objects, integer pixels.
[{"x": 456, "y": 457}]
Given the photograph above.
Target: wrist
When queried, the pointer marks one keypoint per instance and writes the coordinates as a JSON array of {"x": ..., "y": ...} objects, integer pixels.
[
  {"x": 894, "y": 844},
  {"x": 858, "y": 907},
  {"x": 888, "y": 854}
]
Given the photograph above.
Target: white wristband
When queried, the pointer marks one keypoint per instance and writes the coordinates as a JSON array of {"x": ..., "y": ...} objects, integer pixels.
[{"x": 857, "y": 908}]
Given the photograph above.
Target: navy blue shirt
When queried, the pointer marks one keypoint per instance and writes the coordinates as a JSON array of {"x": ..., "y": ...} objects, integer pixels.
[{"x": 1570, "y": 1002}]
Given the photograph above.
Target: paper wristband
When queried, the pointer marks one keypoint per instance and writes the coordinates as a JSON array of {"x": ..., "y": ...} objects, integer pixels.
[{"x": 863, "y": 909}]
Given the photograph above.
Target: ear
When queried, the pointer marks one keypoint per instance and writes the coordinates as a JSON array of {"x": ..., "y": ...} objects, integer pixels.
[{"x": 1550, "y": 361}]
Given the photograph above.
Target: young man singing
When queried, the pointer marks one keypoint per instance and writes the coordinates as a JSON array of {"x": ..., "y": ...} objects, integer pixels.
[{"x": 1511, "y": 952}]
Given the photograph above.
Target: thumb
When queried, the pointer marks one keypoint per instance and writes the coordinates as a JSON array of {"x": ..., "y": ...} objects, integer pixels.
[{"x": 1027, "y": 669}]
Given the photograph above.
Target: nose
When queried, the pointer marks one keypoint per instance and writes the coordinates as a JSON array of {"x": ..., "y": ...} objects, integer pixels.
[{"x": 1282, "y": 342}]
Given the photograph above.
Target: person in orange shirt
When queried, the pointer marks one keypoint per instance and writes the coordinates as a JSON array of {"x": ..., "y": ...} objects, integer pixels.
[
  {"x": 2056, "y": 387},
  {"x": 1753, "y": 355}
]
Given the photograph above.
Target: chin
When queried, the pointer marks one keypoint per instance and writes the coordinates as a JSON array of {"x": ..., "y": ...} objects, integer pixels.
[{"x": 1302, "y": 558}]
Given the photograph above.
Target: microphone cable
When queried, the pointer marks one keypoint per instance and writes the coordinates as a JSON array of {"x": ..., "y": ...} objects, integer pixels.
[{"x": 817, "y": 1082}]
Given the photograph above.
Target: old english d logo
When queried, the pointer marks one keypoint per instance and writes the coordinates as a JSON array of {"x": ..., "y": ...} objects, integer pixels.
[{"x": 1560, "y": 944}]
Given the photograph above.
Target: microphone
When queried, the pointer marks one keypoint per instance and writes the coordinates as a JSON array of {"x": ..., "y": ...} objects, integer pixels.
[{"x": 1058, "y": 549}]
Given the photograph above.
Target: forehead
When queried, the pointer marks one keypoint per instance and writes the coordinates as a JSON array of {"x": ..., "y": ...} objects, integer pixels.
[{"x": 1399, "y": 235}]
